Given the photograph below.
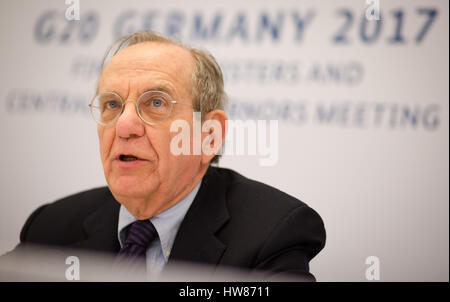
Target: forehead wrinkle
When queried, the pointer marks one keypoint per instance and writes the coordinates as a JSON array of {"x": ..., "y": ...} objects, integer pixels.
[
  {"x": 140, "y": 83},
  {"x": 147, "y": 64},
  {"x": 157, "y": 62}
]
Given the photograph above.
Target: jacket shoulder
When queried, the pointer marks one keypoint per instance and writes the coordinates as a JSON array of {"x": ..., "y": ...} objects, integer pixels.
[
  {"x": 268, "y": 229},
  {"x": 256, "y": 206},
  {"x": 255, "y": 193},
  {"x": 60, "y": 222}
]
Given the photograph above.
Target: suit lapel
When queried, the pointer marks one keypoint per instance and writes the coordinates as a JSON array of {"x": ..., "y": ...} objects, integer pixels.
[
  {"x": 196, "y": 240},
  {"x": 101, "y": 228}
]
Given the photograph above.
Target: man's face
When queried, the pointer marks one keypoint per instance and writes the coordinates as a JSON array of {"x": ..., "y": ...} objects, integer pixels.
[{"x": 158, "y": 179}]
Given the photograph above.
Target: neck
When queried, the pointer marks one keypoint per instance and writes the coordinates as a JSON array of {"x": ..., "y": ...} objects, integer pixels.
[{"x": 152, "y": 208}]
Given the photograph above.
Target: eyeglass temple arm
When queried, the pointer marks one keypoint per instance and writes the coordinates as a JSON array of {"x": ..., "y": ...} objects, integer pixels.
[{"x": 176, "y": 102}]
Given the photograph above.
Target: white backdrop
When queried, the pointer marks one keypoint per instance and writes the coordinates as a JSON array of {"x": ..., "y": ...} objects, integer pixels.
[{"x": 362, "y": 107}]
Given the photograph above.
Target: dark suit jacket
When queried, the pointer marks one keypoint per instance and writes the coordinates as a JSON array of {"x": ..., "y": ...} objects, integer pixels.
[{"x": 233, "y": 221}]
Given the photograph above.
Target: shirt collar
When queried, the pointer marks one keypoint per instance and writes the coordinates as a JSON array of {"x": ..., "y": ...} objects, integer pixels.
[{"x": 166, "y": 223}]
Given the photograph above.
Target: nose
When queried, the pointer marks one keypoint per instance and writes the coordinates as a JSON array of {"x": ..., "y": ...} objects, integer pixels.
[{"x": 129, "y": 124}]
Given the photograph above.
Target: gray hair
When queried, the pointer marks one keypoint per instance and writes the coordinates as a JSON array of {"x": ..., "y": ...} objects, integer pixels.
[{"x": 208, "y": 92}]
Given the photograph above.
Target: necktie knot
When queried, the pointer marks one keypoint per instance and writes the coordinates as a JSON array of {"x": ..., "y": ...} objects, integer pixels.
[{"x": 142, "y": 233}]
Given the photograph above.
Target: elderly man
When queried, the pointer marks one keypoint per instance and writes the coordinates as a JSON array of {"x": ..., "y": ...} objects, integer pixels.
[{"x": 162, "y": 206}]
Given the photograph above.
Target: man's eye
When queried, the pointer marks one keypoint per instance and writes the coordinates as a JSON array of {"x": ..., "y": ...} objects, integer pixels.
[
  {"x": 111, "y": 105},
  {"x": 157, "y": 103}
]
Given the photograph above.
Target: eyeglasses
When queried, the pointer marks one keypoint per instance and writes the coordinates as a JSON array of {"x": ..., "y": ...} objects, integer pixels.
[{"x": 153, "y": 107}]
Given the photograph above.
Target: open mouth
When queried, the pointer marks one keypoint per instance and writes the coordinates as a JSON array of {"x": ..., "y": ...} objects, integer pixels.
[{"x": 124, "y": 157}]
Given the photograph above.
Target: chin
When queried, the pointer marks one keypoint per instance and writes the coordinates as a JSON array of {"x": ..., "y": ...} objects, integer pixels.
[
  {"x": 135, "y": 200},
  {"x": 131, "y": 187}
]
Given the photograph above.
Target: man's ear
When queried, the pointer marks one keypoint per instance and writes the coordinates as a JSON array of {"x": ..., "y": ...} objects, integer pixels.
[{"x": 213, "y": 134}]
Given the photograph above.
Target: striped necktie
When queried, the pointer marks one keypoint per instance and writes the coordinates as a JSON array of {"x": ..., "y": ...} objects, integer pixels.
[{"x": 140, "y": 235}]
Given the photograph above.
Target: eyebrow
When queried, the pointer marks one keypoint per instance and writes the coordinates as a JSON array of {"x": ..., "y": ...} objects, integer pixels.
[
  {"x": 158, "y": 88},
  {"x": 146, "y": 89}
]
